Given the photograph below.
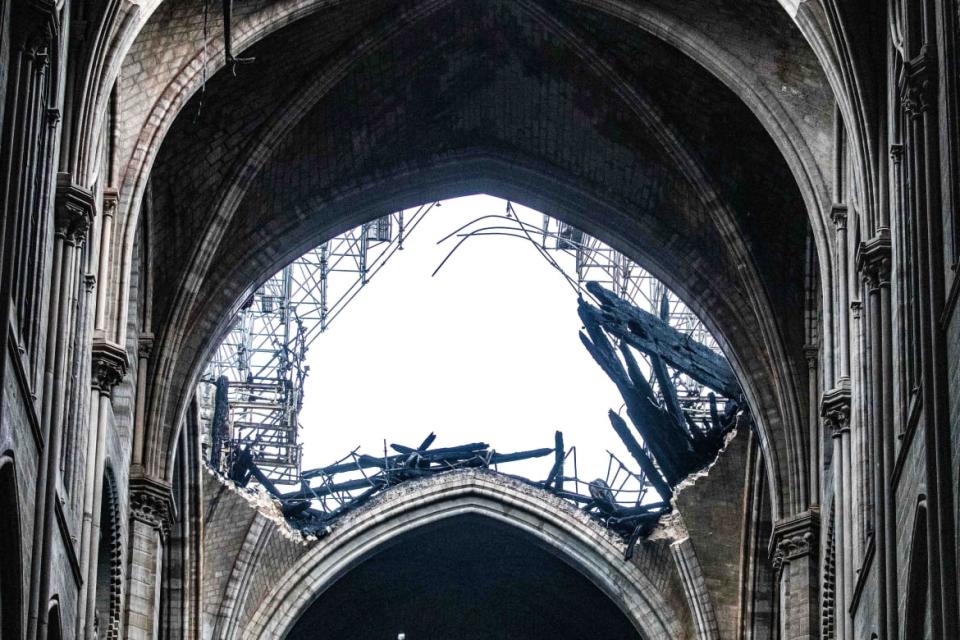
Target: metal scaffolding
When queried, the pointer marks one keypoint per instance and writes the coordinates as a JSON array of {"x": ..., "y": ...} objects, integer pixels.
[
  {"x": 259, "y": 368},
  {"x": 595, "y": 261},
  {"x": 262, "y": 359},
  {"x": 582, "y": 258}
]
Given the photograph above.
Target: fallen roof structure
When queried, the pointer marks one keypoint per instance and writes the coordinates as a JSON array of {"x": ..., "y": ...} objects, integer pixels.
[
  {"x": 668, "y": 441},
  {"x": 677, "y": 444}
]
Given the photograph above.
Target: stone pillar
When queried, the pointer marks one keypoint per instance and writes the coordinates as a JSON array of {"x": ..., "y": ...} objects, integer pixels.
[
  {"x": 839, "y": 215},
  {"x": 144, "y": 348},
  {"x": 107, "y": 370},
  {"x": 921, "y": 89},
  {"x": 110, "y": 200},
  {"x": 816, "y": 440},
  {"x": 835, "y": 409},
  {"x": 794, "y": 546},
  {"x": 873, "y": 261},
  {"x": 151, "y": 510},
  {"x": 73, "y": 216}
]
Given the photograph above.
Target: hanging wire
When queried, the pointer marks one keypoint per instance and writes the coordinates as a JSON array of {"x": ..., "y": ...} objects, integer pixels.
[{"x": 203, "y": 83}]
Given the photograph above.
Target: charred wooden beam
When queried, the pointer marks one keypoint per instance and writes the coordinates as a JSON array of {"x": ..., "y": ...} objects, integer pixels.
[
  {"x": 647, "y": 333},
  {"x": 327, "y": 489},
  {"x": 473, "y": 447},
  {"x": 503, "y": 458},
  {"x": 555, "y": 477},
  {"x": 649, "y": 470},
  {"x": 666, "y": 441},
  {"x": 228, "y": 36},
  {"x": 218, "y": 426},
  {"x": 677, "y": 444}
]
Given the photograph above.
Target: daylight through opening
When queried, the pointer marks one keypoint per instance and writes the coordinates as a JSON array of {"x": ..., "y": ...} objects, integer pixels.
[{"x": 445, "y": 337}]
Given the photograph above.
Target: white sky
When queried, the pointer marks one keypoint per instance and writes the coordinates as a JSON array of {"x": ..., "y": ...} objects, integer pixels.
[{"x": 485, "y": 351}]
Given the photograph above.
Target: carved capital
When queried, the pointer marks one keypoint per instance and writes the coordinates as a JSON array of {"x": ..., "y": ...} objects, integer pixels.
[
  {"x": 145, "y": 345},
  {"x": 835, "y": 409},
  {"x": 896, "y": 153},
  {"x": 873, "y": 261},
  {"x": 856, "y": 309},
  {"x": 918, "y": 86},
  {"x": 111, "y": 199},
  {"x": 796, "y": 537},
  {"x": 151, "y": 502},
  {"x": 812, "y": 353},
  {"x": 838, "y": 213},
  {"x": 73, "y": 210},
  {"x": 108, "y": 367},
  {"x": 38, "y": 24}
]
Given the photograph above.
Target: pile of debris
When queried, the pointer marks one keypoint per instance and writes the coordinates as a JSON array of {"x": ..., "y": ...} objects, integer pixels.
[
  {"x": 338, "y": 484},
  {"x": 674, "y": 441},
  {"x": 677, "y": 445}
]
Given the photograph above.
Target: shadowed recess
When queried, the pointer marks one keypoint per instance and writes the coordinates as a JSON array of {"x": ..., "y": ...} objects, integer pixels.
[{"x": 469, "y": 578}]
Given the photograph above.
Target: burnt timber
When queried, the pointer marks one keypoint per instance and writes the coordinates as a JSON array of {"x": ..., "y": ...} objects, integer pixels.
[
  {"x": 677, "y": 445},
  {"x": 667, "y": 442}
]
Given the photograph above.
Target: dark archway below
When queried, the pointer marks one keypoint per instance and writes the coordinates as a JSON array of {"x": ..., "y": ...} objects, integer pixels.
[{"x": 469, "y": 578}]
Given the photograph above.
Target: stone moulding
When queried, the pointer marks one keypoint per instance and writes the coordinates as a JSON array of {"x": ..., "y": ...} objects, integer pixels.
[
  {"x": 151, "y": 502},
  {"x": 578, "y": 541},
  {"x": 795, "y": 538}
]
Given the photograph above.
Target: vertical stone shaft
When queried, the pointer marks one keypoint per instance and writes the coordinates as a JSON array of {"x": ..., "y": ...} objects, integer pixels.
[
  {"x": 151, "y": 506},
  {"x": 109, "y": 366},
  {"x": 795, "y": 543},
  {"x": 87, "y": 521}
]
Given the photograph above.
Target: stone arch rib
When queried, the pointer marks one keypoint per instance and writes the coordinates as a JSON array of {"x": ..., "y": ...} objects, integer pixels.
[
  {"x": 564, "y": 532},
  {"x": 787, "y": 468}
]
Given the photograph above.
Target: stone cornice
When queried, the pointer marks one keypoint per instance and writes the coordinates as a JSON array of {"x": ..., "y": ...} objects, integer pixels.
[
  {"x": 109, "y": 365},
  {"x": 873, "y": 261},
  {"x": 151, "y": 502},
  {"x": 835, "y": 408},
  {"x": 794, "y": 538},
  {"x": 74, "y": 209}
]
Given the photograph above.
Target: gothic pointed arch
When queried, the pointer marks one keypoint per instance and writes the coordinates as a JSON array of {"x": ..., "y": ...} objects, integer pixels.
[
  {"x": 11, "y": 608},
  {"x": 54, "y": 621},
  {"x": 654, "y": 606},
  {"x": 916, "y": 618}
]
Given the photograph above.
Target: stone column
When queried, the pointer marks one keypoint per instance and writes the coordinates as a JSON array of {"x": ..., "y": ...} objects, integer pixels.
[
  {"x": 920, "y": 102},
  {"x": 110, "y": 200},
  {"x": 839, "y": 215},
  {"x": 794, "y": 547},
  {"x": 108, "y": 368},
  {"x": 151, "y": 510},
  {"x": 873, "y": 261},
  {"x": 144, "y": 348},
  {"x": 835, "y": 409},
  {"x": 73, "y": 216},
  {"x": 816, "y": 441}
]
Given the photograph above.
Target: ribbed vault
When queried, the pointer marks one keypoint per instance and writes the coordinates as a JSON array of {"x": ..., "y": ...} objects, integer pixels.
[{"x": 635, "y": 143}]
